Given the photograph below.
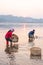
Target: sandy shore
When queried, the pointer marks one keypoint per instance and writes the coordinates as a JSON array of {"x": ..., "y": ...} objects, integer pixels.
[{"x": 22, "y": 57}]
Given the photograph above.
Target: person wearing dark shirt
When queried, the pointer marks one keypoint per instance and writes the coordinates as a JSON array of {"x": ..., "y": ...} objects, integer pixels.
[{"x": 31, "y": 34}]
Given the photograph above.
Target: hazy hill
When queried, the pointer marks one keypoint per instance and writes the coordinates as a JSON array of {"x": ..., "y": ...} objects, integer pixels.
[{"x": 10, "y": 18}]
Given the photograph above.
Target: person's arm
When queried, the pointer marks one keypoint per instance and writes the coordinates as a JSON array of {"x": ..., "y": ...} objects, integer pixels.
[{"x": 10, "y": 34}]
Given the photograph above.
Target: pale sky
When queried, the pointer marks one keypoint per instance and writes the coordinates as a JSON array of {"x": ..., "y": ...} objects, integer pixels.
[{"x": 25, "y": 8}]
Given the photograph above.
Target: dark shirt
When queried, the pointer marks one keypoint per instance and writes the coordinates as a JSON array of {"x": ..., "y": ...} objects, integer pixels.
[{"x": 31, "y": 32}]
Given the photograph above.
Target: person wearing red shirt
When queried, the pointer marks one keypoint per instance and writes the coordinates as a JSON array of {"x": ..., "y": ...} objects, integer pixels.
[{"x": 8, "y": 37}]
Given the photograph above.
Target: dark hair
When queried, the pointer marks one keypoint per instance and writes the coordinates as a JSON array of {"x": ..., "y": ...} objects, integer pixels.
[
  {"x": 9, "y": 31},
  {"x": 33, "y": 30}
]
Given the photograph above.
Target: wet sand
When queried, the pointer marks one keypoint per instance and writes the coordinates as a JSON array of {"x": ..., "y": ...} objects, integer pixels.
[{"x": 22, "y": 56}]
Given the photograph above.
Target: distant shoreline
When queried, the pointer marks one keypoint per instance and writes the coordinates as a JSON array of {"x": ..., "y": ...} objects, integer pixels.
[
  {"x": 16, "y": 19},
  {"x": 19, "y": 22}
]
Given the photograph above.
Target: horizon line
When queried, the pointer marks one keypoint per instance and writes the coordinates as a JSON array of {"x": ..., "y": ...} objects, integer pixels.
[{"x": 20, "y": 16}]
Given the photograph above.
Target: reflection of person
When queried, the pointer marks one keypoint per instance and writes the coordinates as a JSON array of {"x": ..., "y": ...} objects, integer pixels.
[
  {"x": 31, "y": 34},
  {"x": 8, "y": 37}
]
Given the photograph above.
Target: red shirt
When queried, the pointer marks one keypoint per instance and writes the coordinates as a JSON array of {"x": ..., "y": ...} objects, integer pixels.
[{"x": 8, "y": 34}]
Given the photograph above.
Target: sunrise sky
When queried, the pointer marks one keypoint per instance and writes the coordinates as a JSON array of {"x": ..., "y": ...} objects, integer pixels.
[{"x": 25, "y": 8}]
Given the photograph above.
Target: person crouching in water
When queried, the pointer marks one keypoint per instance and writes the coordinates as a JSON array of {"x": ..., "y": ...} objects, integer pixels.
[
  {"x": 8, "y": 37},
  {"x": 31, "y": 35}
]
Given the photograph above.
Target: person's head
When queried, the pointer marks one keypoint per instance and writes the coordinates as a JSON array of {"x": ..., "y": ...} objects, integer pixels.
[
  {"x": 33, "y": 30},
  {"x": 12, "y": 30}
]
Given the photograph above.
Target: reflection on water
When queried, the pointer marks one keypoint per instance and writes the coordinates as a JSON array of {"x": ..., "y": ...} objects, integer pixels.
[
  {"x": 9, "y": 49},
  {"x": 12, "y": 59},
  {"x": 35, "y": 57},
  {"x": 31, "y": 44}
]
